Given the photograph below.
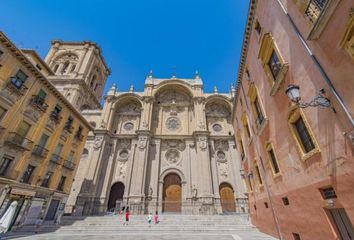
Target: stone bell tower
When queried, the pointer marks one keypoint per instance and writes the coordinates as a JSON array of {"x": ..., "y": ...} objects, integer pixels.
[{"x": 80, "y": 72}]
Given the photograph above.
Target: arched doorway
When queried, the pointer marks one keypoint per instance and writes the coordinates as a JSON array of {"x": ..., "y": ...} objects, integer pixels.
[
  {"x": 227, "y": 198},
  {"x": 172, "y": 193},
  {"x": 116, "y": 194}
]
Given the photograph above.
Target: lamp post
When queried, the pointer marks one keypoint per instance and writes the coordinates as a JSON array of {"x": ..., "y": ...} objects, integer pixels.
[{"x": 293, "y": 92}]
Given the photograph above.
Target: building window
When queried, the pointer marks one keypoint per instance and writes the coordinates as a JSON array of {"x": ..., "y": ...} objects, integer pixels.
[
  {"x": 258, "y": 28},
  {"x": 46, "y": 180},
  {"x": 55, "y": 114},
  {"x": 2, "y": 112},
  {"x": 348, "y": 40},
  {"x": 303, "y": 135},
  {"x": 19, "y": 79},
  {"x": 71, "y": 156},
  {"x": 285, "y": 201},
  {"x": 256, "y": 106},
  {"x": 22, "y": 130},
  {"x": 4, "y": 166},
  {"x": 27, "y": 174},
  {"x": 246, "y": 126},
  {"x": 73, "y": 68},
  {"x": 55, "y": 69},
  {"x": 40, "y": 149},
  {"x": 258, "y": 173},
  {"x": 242, "y": 150},
  {"x": 265, "y": 204},
  {"x": 328, "y": 193},
  {"x": 273, "y": 63},
  {"x": 249, "y": 182},
  {"x": 69, "y": 124},
  {"x": 272, "y": 159},
  {"x": 61, "y": 183},
  {"x": 79, "y": 135},
  {"x": 314, "y": 9},
  {"x": 39, "y": 99},
  {"x": 65, "y": 67}
]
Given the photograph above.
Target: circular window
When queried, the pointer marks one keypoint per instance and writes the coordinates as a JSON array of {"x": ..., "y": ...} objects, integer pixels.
[
  {"x": 217, "y": 127},
  {"x": 124, "y": 154},
  {"x": 128, "y": 126},
  {"x": 173, "y": 123},
  {"x": 221, "y": 156},
  {"x": 172, "y": 156}
]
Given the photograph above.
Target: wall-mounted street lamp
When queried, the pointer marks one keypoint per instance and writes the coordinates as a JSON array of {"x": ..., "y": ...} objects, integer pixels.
[{"x": 293, "y": 92}]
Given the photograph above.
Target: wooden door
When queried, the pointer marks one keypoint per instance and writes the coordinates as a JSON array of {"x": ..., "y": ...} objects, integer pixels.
[
  {"x": 172, "y": 193},
  {"x": 227, "y": 198}
]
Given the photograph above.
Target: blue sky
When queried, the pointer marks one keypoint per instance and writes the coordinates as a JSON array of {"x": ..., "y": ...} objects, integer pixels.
[{"x": 139, "y": 35}]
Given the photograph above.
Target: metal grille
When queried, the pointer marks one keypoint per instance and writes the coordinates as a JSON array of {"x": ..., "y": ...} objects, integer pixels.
[{"x": 314, "y": 9}]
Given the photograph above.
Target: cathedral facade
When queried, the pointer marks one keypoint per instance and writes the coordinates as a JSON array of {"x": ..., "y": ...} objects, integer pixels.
[{"x": 170, "y": 148}]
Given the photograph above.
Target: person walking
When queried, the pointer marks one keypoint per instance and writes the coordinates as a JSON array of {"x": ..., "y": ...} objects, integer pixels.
[
  {"x": 156, "y": 218},
  {"x": 149, "y": 219},
  {"x": 126, "y": 217}
]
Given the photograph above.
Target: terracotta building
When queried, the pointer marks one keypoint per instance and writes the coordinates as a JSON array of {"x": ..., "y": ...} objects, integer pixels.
[
  {"x": 297, "y": 153},
  {"x": 42, "y": 137}
]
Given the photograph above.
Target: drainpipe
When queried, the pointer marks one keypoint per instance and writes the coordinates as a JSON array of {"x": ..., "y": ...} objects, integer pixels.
[{"x": 318, "y": 65}]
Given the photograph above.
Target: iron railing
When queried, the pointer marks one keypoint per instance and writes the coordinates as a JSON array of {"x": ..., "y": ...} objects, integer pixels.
[
  {"x": 39, "y": 103},
  {"x": 17, "y": 140},
  {"x": 56, "y": 159},
  {"x": 69, "y": 165},
  {"x": 40, "y": 151}
]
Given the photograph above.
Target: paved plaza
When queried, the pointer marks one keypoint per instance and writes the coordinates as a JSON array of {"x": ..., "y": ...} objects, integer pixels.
[{"x": 171, "y": 227}]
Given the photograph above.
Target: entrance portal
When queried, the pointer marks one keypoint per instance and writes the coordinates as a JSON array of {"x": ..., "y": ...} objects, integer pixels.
[
  {"x": 116, "y": 194},
  {"x": 172, "y": 193},
  {"x": 227, "y": 198}
]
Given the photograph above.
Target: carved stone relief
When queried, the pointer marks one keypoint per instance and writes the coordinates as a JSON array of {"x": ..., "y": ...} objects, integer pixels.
[
  {"x": 223, "y": 169},
  {"x": 98, "y": 142},
  {"x": 203, "y": 144},
  {"x": 121, "y": 170},
  {"x": 173, "y": 143},
  {"x": 217, "y": 110},
  {"x": 142, "y": 142},
  {"x": 173, "y": 123},
  {"x": 172, "y": 156}
]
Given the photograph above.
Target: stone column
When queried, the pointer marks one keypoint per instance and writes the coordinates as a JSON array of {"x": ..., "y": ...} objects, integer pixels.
[
  {"x": 205, "y": 181},
  {"x": 235, "y": 166},
  {"x": 215, "y": 178},
  {"x": 136, "y": 197},
  {"x": 154, "y": 177}
]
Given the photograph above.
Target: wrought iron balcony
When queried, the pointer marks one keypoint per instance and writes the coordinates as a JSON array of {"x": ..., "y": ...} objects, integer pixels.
[
  {"x": 16, "y": 86},
  {"x": 314, "y": 9},
  {"x": 56, "y": 159},
  {"x": 39, "y": 103},
  {"x": 69, "y": 128},
  {"x": 40, "y": 151},
  {"x": 55, "y": 116},
  {"x": 79, "y": 136},
  {"x": 19, "y": 141},
  {"x": 69, "y": 165}
]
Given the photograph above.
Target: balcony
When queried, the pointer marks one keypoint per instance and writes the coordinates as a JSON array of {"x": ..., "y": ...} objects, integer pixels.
[
  {"x": 13, "y": 91},
  {"x": 38, "y": 103},
  {"x": 69, "y": 165},
  {"x": 40, "y": 151},
  {"x": 69, "y": 128},
  {"x": 16, "y": 140},
  {"x": 56, "y": 159},
  {"x": 79, "y": 136},
  {"x": 55, "y": 116}
]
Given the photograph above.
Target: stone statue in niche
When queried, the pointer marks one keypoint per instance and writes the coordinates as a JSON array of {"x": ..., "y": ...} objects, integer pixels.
[
  {"x": 150, "y": 191},
  {"x": 194, "y": 193}
]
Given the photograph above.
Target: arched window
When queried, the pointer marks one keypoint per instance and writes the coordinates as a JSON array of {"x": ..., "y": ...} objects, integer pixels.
[
  {"x": 56, "y": 68},
  {"x": 65, "y": 67},
  {"x": 73, "y": 68},
  {"x": 92, "y": 81}
]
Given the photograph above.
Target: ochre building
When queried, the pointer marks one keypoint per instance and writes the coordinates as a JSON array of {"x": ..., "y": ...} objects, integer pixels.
[
  {"x": 170, "y": 148},
  {"x": 42, "y": 137},
  {"x": 297, "y": 156}
]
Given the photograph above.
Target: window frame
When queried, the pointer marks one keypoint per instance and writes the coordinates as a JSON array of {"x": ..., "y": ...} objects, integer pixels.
[
  {"x": 19, "y": 82},
  {"x": 253, "y": 95},
  {"x": 294, "y": 115},
  {"x": 270, "y": 148},
  {"x": 258, "y": 173},
  {"x": 348, "y": 37},
  {"x": 61, "y": 183},
  {"x": 30, "y": 175},
  {"x": 268, "y": 46},
  {"x": 5, "y": 164},
  {"x": 2, "y": 115},
  {"x": 46, "y": 181}
]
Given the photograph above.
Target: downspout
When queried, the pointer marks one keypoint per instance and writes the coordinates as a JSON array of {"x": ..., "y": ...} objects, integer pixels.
[{"x": 318, "y": 65}]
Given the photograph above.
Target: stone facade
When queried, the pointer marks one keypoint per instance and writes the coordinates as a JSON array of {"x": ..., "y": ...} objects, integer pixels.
[
  {"x": 80, "y": 72},
  {"x": 298, "y": 162},
  {"x": 172, "y": 129}
]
